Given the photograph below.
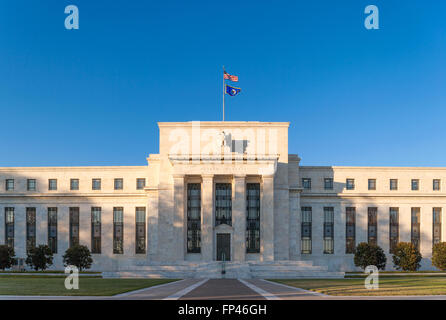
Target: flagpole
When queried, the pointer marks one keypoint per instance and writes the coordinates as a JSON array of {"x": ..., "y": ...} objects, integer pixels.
[{"x": 223, "y": 93}]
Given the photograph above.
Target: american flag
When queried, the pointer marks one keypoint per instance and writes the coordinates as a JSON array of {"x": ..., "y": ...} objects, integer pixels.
[{"x": 228, "y": 76}]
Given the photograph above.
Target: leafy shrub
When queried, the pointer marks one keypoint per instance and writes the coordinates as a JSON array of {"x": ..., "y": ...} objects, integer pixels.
[
  {"x": 6, "y": 257},
  {"x": 439, "y": 256},
  {"x": 406, "y": 257},
  {"x": 369, "y": 255},
  {"x": 78, "y": 256},
  {"x": 39, "y": 257}
]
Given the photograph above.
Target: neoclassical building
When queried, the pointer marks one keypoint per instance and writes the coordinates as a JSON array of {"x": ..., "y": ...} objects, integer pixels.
[{"x": 222, "y": 199}]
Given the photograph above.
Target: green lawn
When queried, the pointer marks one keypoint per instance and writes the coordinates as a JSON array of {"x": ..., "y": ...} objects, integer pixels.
[
  {"x": 388, "y": 286},
  {"x": 396, "y": 272},
  {"x": 88, "y": 286},
  {"x": 49, "y": 271}
]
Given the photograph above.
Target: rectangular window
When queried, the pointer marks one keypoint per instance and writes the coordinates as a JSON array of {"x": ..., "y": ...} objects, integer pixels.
[
  {"x": 9, "y": 184},
  {"x": 415, "y": 184},
  {"x": 350, "y": 230},
  {"x": 328, "y": 183},
  {"x": 350, "y": 184},
  {"x": 306, "y": 183},
  {"x": 96, "y": 230},
  {"x": 393, "y": 184},
  {"x": 306, "y": 229},
  {"x": 9, "y": 226},
  {"x": 74, "y": 226},
  {"x": 140, "y": 183},
  {"x": 436, "y": 221},
  {"x": 140, "y": 215},
  {"x": 223, "y": 204},
  {"x": 96, "y": 184},
  {"x": 415, "y": 227},
  {"x": 118, "y": 230},
  {"x": 193, "y": 217},
  {"x": 436, "y": 184},
  {"x": 119, "y": 184},
  {"x": 372, "y": 225},
  {"x": 393, "y": 229},
  {"x": 74, "y": 184},
  {"x": 328, "y": 230},
  {"x": 52, "y": 229},
  {"x": 52, "y": 184},
  {"x": 253, "y": 218},
  {"x": 30, "y": 228},
  {"x": 31, "y": 184},
  {"x": 372, "y": 184}
]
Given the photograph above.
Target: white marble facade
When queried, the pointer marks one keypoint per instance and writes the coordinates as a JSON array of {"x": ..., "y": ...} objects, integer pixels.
[{"x": 235, "y": 153}]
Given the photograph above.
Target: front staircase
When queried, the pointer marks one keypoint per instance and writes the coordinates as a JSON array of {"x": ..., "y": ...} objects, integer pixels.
[{"x": 228, "y": 269}]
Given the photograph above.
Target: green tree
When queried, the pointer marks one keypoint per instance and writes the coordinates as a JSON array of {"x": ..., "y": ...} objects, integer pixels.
[
  {"x": 406, "y": 257},
  {"x": 6, "y": 257},
  {"x": 439, "y": 256},
  {"x": 369, "y": 255},
  {"x": 39, "y": 257},
  {"x": 78, "y": 256}
]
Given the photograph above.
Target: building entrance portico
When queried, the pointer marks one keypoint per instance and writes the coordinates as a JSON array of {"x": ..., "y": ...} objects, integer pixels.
[{"x": 224, "y": 213}]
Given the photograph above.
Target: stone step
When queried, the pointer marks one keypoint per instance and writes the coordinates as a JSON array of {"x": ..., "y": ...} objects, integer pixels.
[
  {"x": 288, "y": 268},
  {"x": 284, "y": 263},
  {"x": 298, "y": 275},
  {"x": 233, "y": 269}
]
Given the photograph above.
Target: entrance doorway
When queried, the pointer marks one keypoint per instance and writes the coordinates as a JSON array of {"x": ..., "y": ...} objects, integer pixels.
[{"x": 223, "y": 247}]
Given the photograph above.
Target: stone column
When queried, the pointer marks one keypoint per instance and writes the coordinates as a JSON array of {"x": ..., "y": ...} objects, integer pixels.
[
  {"x": 294, "y": 224},
  {"x": 239, "y": 218},
  {"x": 84, "y": 225},
  {"x": 107, "y": 234},
  {"x": 178, "y": 221},
  {"x": 443, "y": 224},
  {"x": 383, "y": 230},
  {"x": 339, "y": 229},
  {"x": 267, "y": 219},
  {"x": 2, "y": 225},
  {"x": 405, "y": 226},
  {"x": 152, "y": 224},
  {"x": 426, "y": 228},
  {"x": 207, "y": 214},
  {"x": 63, "y": 233},
  {"x": 362, "y": 215},
  {"x": 19, "y": 231},
  {"x": 41, "y": 224},
  {"x": 129, "y": 230}
]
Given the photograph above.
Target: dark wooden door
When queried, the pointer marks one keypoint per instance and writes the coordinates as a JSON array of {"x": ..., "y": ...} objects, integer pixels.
[{"x": 223, "y": 247}]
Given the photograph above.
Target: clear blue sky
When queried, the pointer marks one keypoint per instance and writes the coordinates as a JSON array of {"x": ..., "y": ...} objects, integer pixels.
[{"x": 93, "y": 96}]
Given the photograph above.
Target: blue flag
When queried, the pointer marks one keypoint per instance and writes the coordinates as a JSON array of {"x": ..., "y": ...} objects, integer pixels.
[{"x": 232, "y": 91}]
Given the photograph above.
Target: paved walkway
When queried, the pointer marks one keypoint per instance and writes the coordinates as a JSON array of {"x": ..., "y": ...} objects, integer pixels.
[
  {"x": 226, "y": 289},
  {"x": 223, "y": 289}
]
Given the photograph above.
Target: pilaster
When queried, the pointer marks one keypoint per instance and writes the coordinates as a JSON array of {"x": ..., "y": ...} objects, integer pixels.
[
  {"x": 239, "y": 218},
  {"x": 267, "y": 218},
  {"x": 178, "y": 221},
  {"x": 207, "y": 210}
]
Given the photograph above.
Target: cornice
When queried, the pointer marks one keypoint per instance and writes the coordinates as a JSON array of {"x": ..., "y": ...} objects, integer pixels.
[
  {"x": 222, "y": 124},
  {"x": 373, "y": 195},
  {"x": 222, "y": 157},
  {"x": 63, "y": 169},
  {"x": 71, "y": 195},
  {"x": 374, "y": 168}
]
